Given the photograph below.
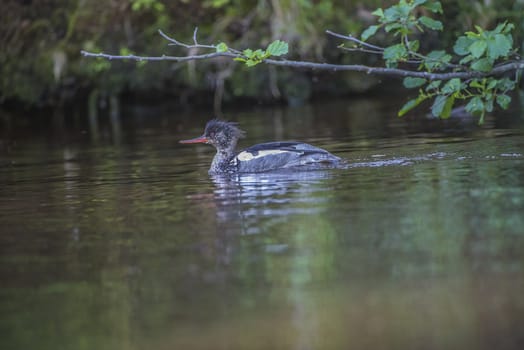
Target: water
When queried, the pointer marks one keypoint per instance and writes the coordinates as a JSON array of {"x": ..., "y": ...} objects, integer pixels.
[{"x": 123, "y": 241}]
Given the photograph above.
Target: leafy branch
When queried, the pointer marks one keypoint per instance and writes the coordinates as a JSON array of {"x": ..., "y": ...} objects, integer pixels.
[
  {"x": 479, "y": 54},
  {"x": 232, "y": 53},
  {"x": 475, "y": 73},
  {"x": 249, "y": 57}
]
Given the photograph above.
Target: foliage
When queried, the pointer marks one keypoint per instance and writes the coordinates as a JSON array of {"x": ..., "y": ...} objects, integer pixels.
[
  {"x": 483, "y": 48},
  {"x": 476, "y": 52},
  {"x": 252, "y": 58}
]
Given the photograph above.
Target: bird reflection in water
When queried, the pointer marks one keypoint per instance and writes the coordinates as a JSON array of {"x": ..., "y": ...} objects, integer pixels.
[{"x": 273, "y": 196}]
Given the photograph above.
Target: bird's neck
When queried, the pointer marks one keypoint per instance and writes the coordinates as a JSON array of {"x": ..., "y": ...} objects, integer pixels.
[{"x": 221, "y": 161}]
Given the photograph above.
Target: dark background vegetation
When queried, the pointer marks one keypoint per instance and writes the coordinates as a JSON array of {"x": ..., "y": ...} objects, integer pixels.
[{"x": 41, "y": 65}]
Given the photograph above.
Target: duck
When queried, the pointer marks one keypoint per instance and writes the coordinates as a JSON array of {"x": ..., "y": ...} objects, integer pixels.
[{"x": 264, "y": 157}]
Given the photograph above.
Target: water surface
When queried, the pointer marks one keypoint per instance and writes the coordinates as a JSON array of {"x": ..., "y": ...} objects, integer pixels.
[{"x": 123, "y": 241}]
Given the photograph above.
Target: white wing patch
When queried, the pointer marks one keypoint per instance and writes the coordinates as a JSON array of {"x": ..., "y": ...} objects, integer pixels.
[{"x": 245, "y": 156}]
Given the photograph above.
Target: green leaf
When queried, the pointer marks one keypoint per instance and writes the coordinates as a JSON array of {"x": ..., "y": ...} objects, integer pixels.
[
  {"x": 499, "y": 46},
  {"x": 410, "y": 105},
  {"x": 448, "y": 107},
  {"x": 395, "y": 53},
  {"x": 251, "y": 63},
  {"x": 453, "y": 85},
  {"x": 414, "y": 45},
  {"x": 378, "y": 12},
  {"x": 461, "y": 46},
  {"x": 472, "y": 35},
  {"x": 467, "y": 59},
  {"x": 482, "y": 65},
  {"x": 505, "y": 28},
  {"x": 436, "y": 54},
  {"x": 500, "y": 28},
  {"x": 396, "y": 12},
  {"x": 489, "y": 104},
  {"x": 411, "y": 82},
  {"x": 479, "y": 29},
  {"x": 476, "y": 84},
  {"x": 437, "y": 59},
  {"x": 259, "y": 54},
  {"x": 434, "y": 6},
  {"x": 392, "y": 26},
  {"x": 221, "y": 47},
  {"x": 252, "y": 58},
  {"x": 503, "y": 101},
  {"x": 369, "y": 32},
  {"x": 492, "y": 83},
  {"x": 475, "y": 106},
  {"x": 433, "y": 85},
  {"x": 277, "y": 48},
  {"x": 505, "y": 84},
  {"x": 442, "y": 106},
  {"x": 431, "y": 23},
  {"x": 446, "y": 58},
  {"x": 477, "y": 48},
  {"x": 438, "y": 105}
]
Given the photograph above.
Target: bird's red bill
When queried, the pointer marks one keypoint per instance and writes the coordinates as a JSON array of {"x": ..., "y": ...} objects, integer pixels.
[{"x": 200, "y": 139}]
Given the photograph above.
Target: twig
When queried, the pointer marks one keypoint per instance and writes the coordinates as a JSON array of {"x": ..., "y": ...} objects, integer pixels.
[
  {"x": 355, "y": 40},
  {"x": 196, "y": 45},
  {"x": 187, "y": 46},
  {"x": 360, "y": 49},
  {"x": 380, "y": 50},
  {"x": 195, "y": 36},
  {"x": 159, "y": 58}
]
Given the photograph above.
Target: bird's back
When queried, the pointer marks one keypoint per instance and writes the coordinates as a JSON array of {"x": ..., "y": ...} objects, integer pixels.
[{"x": 280, "y": 155}]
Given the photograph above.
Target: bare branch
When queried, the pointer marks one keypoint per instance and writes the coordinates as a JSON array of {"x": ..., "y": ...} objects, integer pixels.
[
  {"x": 159, "y": 58},
  {"x": 355, "y": 40},
  {"x": 175, "y": 42},
  {"x": 195, "y": 36},
  {"x": 360, "y": 49}
]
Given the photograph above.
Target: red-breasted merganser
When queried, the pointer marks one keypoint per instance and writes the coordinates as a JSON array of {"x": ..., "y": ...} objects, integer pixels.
[{"x": 259, "y": 158}]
